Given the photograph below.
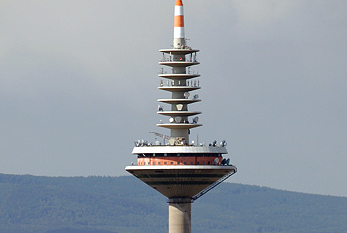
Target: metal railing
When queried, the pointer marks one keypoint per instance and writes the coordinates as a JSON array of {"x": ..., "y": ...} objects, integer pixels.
[{"x": 212, "y": 186}]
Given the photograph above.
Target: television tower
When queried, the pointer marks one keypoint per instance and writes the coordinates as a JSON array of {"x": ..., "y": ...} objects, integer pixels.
[{"x": 181, "y": 170}]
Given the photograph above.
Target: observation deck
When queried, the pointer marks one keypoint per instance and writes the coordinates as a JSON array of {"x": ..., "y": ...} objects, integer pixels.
[
  {"x": 184, "y": 181},
  {"x": 178, "y": 101},
  {"x": 178, "y": 88},
  {"x": 179, "y": 76},
  {"x": 179, "y": 125},
  {"x": 178, "y": 113},
  {"x": 179, "y": 150},
  {"x": 184, "y": 51},
  {"x": 179, "y": 63}
]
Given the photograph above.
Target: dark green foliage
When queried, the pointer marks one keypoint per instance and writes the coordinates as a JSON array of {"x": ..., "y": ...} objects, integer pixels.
[
  {"x": 30, "y": 204},
  {"x": 39, "y": 204},
  {"x": 245, "y": 208},
  {"x": 69, "y": 230}
]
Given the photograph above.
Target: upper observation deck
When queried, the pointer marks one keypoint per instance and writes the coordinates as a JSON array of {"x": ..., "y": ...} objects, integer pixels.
[
  {"x": 178, "y": 101},
  {"x": 183, "y": 51},
  {"x": 182, "y": 63},
  {"x": 179, "y": 76},
  {"x": 178, "y": 113},
  {"x": 178, "y": 88},
  {"x": 179, "y": 125}
]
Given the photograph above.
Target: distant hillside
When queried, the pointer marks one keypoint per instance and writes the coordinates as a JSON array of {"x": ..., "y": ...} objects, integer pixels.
[{"x": 30, "y": 204}]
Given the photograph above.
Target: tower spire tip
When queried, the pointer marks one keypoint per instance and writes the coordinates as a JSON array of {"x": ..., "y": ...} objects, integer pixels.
[{"x": 179, "y": 3}]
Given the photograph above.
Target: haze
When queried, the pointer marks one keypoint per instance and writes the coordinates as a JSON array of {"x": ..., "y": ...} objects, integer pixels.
[{"x": 78, "y": 84}]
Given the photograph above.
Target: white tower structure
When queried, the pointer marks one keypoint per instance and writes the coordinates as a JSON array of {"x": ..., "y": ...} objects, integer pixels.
[{"x": 180, "y": 170}]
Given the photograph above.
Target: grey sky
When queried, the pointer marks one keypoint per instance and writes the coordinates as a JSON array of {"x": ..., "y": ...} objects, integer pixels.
[{"x": 78, "y": 85}]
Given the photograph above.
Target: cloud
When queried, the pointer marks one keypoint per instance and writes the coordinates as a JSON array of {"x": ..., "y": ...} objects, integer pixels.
[
  {"x": 92, "y": 39},
  {"x": 253, "y": 13},
  {"x": 78, "y": 84}
]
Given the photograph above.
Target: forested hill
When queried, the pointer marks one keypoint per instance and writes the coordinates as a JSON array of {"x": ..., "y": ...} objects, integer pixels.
[{"x": 30, "y": 204}]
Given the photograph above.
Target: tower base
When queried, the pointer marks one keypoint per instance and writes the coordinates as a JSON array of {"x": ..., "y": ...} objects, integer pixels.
[{"x": 180, "y": 215}]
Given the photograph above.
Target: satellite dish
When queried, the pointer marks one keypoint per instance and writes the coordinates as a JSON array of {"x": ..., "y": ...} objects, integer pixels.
[
  {"x": 186, "y": 94},
  {"x": 195, "y": 97},
  {"x": 178, "y": 119},
  {"x": 216, "y": 161},
  {"x": 179, "y": 107},
  {"x": 172, "y": 120},
  {"x": 223, "y": 143},
  {"x": 214, "y": 143},
  {"x": 195, "y": 120}
]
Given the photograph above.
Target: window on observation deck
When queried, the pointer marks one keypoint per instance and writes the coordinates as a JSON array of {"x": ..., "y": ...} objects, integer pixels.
[{"x": 165, "y": 163}]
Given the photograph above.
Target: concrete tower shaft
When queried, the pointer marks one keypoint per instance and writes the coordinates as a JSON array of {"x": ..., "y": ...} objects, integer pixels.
[{"x": 180, "y": 83}]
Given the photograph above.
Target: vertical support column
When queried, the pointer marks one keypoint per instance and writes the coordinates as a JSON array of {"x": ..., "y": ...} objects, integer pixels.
[
  {"x": 180, "y": 215},
  {"x": 179, "y": 95}
]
